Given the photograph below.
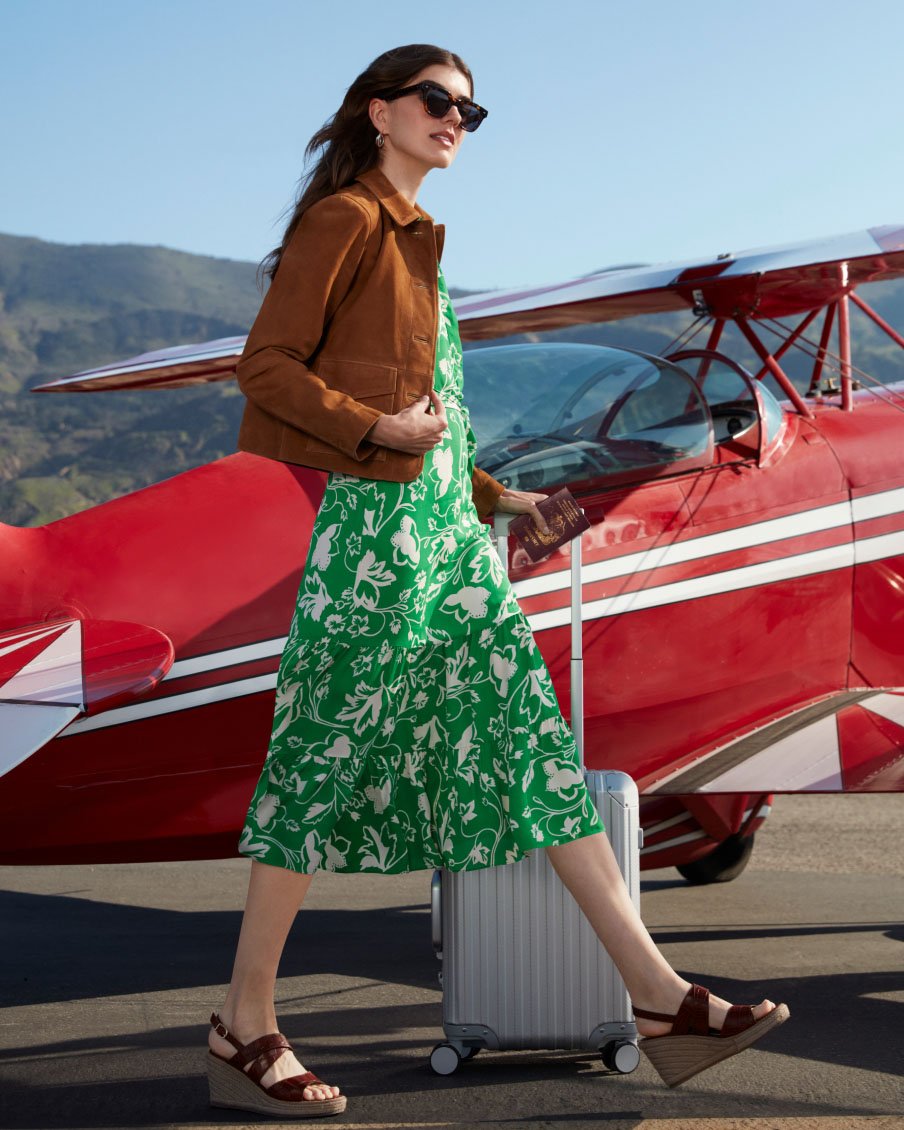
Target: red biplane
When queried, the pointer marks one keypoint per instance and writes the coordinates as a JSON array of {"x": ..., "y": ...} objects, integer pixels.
[{"x": 743, "y": 572}]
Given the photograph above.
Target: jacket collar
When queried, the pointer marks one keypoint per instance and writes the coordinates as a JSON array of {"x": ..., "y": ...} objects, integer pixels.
[{"x": 397, "y": 205}]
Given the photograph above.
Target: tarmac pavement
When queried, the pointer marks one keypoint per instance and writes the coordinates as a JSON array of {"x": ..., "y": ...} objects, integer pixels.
[{"x": 110, "y": 972}]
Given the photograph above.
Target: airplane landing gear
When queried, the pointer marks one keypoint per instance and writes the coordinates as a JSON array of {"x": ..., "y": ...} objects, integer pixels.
[{"x": 724, "y": 863}]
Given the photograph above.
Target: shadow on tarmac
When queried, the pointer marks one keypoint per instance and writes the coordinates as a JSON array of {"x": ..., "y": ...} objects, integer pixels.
[
  {"x": 60, "y": 948},
  {"x": 382, "y": 1082}
]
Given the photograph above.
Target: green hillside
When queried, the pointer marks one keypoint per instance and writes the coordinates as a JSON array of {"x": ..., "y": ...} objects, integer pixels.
[
  {"x": 64, "y": 308},
  {"x": 67, "y": 308}
]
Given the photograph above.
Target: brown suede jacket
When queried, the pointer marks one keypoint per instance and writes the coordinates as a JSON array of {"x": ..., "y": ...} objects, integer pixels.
[{"x": 347, "y": 332}]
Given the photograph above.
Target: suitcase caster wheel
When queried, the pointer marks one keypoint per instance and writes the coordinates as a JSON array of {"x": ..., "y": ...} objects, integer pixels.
[
  {"x": 621, "y": 1056},
  {"x": 444, "y": 1059},
  {"x": 469, "y": 1053}
]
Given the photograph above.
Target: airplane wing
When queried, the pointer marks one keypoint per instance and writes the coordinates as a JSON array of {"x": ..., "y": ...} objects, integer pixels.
[
  {"x": 767, "y": 282},
  {"x": 177, "y": 366},
  {"x": 848, "y": 742},
  {"x": 759, "y": 283},
  {"x": 52, "y": 672}
]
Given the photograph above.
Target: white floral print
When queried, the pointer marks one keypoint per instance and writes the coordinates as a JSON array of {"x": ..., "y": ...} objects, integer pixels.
[{"x": 415, "y": 723}]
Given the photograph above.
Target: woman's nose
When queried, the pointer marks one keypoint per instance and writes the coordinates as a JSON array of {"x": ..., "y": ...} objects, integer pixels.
[{"x": 456, "y": 121}]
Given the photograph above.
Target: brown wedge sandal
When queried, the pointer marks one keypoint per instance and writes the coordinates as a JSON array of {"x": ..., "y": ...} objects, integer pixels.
[
  {"x": 692, "y": 1045},
  {"x": 232, "y": 1086}
]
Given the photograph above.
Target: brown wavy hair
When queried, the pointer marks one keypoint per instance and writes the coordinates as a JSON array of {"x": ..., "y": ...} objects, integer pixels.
[{"x": 348, "y": 136}]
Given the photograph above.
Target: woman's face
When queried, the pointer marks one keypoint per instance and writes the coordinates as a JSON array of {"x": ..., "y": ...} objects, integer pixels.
[{"x": 411, "y": 133}]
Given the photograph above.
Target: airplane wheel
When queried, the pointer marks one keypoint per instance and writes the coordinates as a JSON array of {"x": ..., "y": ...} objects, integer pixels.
[
  {"x": 724, "y": 863},
  {"x": 444, "y": 1059}
]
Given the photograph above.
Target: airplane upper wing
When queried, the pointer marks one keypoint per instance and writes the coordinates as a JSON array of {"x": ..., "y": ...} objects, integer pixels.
[
  {"x": 763, "y": 282},
  {"x": 52, "y": 672}
]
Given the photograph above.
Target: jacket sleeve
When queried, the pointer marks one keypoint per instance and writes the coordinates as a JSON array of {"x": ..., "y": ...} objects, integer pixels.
[
  {"x": 484, "y": 488},
  {"x": 314, "y": 275}
]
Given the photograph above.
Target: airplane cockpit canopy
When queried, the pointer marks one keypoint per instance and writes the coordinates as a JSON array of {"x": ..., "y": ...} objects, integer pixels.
[{"x": 547, "y": 414}]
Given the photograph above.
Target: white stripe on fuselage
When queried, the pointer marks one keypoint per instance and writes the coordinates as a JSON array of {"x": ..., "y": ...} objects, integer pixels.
[
  {"x": 693, "y": 549},
  {"x": 755, "y": 534}
]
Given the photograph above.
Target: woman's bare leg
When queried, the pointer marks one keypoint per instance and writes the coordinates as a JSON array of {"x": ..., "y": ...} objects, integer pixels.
[
  {"x": 589, "y": 870},
  {"x": 274, "y": 896}
]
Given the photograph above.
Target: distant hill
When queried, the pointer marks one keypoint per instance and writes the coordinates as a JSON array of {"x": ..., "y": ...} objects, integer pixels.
[{"x": 64, "y": 308}]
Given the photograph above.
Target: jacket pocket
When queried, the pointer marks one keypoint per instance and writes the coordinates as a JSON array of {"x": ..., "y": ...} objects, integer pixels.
[
  {"x": 373, "y": 385},
  {"x": 357, "y": 378}
]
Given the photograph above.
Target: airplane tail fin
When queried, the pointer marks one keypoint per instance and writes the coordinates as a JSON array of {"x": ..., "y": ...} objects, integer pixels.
[{"x": 52, "y": 672}]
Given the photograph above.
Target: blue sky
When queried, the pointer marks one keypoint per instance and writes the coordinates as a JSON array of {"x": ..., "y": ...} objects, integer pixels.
[{"x": 637, "y": 131}]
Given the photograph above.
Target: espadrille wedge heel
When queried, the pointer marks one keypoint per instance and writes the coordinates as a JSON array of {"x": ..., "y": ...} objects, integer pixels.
[
  {"x": 692, "y": 1045},
  {"x": 234, "y": 1087}
]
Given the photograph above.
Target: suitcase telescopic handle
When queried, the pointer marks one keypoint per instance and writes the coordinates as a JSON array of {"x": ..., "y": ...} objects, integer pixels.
[{"x": 501, "y": 522}]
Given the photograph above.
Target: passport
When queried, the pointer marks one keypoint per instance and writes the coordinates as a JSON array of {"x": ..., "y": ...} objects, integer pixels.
[{"x": 566, "y": 520}]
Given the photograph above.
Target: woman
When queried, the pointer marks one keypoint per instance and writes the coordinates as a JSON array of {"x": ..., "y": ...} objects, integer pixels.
[{"x": 413, "y": 705}]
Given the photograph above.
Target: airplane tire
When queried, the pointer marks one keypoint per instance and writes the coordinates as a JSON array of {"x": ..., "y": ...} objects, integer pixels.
[{"x": 724, "y": 863}]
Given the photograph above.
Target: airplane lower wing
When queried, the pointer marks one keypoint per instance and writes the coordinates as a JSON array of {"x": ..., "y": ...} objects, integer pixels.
[
  {"x": 850, "y": 742},
  {"x": 52, "y": 672}
]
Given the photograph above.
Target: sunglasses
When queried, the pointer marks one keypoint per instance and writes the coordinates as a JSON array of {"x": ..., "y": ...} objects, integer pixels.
[{"x": 438, "y": 101}]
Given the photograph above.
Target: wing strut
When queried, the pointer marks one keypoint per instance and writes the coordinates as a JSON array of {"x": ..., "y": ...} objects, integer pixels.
[
  {"x": 774, "y": 368},
  {"x": 821, "y": 352},
  {"x": 880, "y": 321}
]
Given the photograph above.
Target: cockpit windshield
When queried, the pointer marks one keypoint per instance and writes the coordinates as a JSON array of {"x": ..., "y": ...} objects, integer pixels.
[{"x": 554, "y": 413}]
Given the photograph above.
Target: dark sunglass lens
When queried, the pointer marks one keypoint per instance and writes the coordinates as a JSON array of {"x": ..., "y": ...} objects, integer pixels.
[{"x": 437, "y": 103}]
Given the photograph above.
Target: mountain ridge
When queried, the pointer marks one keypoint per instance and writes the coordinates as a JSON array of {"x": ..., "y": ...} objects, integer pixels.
[{"x": 69, "y": 307}]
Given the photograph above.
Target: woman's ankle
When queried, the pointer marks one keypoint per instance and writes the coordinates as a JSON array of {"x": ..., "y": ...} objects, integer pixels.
[
  {"x": 247, "y": 1020},
  {"x": 660, "y": 995}
]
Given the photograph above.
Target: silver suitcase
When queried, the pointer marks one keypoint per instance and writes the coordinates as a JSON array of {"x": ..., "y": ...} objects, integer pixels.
[{"x": 522, "y": 967}]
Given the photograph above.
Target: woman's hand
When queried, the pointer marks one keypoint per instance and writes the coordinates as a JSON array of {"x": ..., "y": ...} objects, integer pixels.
[
  {"x": 414, "y": 429},
  {"x": 523, "y": 502}
]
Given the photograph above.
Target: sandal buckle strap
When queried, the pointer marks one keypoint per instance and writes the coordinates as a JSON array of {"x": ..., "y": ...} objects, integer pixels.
[{"x": 222, "y": 1031}]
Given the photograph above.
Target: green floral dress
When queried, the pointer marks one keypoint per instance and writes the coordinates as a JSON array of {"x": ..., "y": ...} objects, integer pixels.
[{"x": 416, "y": 724}]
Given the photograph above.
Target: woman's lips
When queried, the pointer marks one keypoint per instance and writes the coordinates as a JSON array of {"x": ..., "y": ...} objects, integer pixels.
[{"x": 443, "y": 139}]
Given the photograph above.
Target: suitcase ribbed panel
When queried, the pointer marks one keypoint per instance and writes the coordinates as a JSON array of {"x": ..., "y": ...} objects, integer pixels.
[{"x": 522, "y": 967}]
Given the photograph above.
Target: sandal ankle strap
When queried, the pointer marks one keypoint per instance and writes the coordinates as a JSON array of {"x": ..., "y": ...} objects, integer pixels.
[
  {"x": 223, "y": 1032},
  {"x": 646, "y": 1014}
]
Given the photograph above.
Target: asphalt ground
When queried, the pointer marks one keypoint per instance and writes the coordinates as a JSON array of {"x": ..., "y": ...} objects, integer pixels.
[{"x": 110, "y": 972}]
